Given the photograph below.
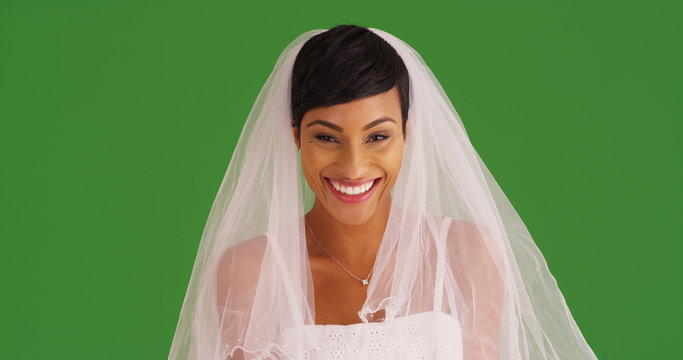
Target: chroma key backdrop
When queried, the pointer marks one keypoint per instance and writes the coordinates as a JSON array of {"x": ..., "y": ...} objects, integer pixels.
[{"x": 118, "y": 120}]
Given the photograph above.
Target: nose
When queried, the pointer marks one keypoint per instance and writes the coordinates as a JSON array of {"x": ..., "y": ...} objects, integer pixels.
[{"x": 354, "y": 161}]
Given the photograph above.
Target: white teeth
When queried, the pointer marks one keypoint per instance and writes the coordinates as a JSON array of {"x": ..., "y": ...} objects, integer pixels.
[{"x": 355, "y": 190}]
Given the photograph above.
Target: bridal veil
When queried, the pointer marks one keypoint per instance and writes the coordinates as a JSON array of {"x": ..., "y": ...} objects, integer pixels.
[{"x": 453, "y": 242}]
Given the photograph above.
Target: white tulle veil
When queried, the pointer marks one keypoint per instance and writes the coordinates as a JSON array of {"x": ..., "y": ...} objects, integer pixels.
[{"x": 462, "y": 247}]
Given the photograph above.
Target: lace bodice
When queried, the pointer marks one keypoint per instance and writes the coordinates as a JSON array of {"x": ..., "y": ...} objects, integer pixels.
[{"x": 428, "y": 335}]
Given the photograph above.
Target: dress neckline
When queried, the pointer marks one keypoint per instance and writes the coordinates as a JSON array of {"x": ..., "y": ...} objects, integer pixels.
[{"x": 381, "y": 323}]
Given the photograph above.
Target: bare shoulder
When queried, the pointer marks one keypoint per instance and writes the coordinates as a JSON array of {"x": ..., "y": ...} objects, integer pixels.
[
  {"x": 245, "y": 252},
  {"x": 467, "y": 233},
  {"x": 472, "y": 244},
  {"x": 239, "y": 266},
  {"x": 465, "y": 227}
]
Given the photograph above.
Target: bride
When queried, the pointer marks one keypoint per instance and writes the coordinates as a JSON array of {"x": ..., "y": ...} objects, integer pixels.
[{"x": 356, "y": 221}]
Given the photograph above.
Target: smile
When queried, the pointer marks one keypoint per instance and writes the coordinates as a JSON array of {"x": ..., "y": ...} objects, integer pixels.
[{"x": 352, "y": 192}]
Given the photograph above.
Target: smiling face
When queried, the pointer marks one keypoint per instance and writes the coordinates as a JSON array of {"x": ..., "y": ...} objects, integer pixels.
[{"x": 351, "y": 155}]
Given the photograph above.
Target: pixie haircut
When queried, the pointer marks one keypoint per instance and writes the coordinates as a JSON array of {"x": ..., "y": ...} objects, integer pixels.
[{"x": 342, "y": 64}]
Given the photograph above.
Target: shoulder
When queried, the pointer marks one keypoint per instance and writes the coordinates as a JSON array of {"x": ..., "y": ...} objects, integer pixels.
[
  {"x": 467, "y": 235},
  {"x": 461, "y": 235},
  {"x": 239, "y": 267},
  {"x": 244, "y": 253},
  {"x": 472, "y": 246}
]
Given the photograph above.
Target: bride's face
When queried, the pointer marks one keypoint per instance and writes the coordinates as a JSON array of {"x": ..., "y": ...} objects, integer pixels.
[{"x": 351, "y": 154}]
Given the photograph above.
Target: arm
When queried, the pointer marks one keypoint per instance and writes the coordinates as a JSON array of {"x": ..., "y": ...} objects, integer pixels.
[
  {"x": 237, "y": 276},
  {"x": 481, "y": 286}
]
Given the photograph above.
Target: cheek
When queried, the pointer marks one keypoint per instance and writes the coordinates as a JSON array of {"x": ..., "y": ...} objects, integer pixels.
[
  {"x": 393, "y": 160},
  {"x": 312, "y": 164},
  {"x": 308, "y": 168},
  {"x": 389, "y": 161}
]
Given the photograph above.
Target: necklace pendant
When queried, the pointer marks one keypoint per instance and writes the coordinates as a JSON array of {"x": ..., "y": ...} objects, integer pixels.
[{"x": 365, "y": 281}]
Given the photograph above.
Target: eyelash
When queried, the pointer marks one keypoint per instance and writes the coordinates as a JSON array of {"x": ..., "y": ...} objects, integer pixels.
[
  {"x": 383, "y": 137},
  {"x": 324, "y": 138}
]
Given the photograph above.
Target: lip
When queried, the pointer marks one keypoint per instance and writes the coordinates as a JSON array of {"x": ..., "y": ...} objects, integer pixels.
[{"x": 352, "y": 198}]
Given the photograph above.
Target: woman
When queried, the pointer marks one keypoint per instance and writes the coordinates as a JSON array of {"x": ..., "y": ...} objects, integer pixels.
[{"x": 356, "y": 221}]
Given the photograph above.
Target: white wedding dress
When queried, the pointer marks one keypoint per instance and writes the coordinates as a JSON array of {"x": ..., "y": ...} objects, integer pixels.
[{"x": 428, "y": 335}]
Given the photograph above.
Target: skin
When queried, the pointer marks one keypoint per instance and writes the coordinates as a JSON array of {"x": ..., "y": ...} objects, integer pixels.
[
  {"x": 335, "y": 143},
  {"x": 353, "y": 232}
]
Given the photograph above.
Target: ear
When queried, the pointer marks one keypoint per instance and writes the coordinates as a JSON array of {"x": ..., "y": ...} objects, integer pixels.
[{"x": 295, "y": 132}]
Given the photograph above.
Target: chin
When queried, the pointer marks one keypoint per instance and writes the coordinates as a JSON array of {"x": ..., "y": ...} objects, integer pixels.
[{"x": 353, "y": 215}]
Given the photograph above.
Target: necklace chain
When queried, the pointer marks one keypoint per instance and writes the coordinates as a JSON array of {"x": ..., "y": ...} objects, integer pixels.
[{"x": 364, "y": 281}]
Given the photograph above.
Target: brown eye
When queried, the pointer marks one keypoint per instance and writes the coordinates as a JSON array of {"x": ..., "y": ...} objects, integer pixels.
[
  {"x": 377, "y": 137},
  {"x": 325, "y": 138}
]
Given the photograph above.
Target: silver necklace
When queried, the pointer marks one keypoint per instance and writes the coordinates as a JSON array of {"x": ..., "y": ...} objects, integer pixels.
[{"x": 364, "y": 281}]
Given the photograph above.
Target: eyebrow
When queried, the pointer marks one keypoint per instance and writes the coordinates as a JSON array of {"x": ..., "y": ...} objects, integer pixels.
[{"x": 338, "y": 128}]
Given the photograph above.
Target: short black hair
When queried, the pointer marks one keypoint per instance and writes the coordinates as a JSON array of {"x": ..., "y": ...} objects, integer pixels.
[{"x": 342, "y": 64}]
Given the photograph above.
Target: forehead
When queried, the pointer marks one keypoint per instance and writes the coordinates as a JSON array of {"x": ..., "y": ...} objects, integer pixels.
[{"x": 360, "y": 111}]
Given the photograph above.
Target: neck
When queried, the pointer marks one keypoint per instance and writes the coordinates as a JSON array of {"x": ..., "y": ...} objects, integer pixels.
[{"x": 355, "y": 246}]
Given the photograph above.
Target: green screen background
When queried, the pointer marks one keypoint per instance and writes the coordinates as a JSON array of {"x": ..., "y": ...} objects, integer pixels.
[{"x": 118, "y": 120}]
